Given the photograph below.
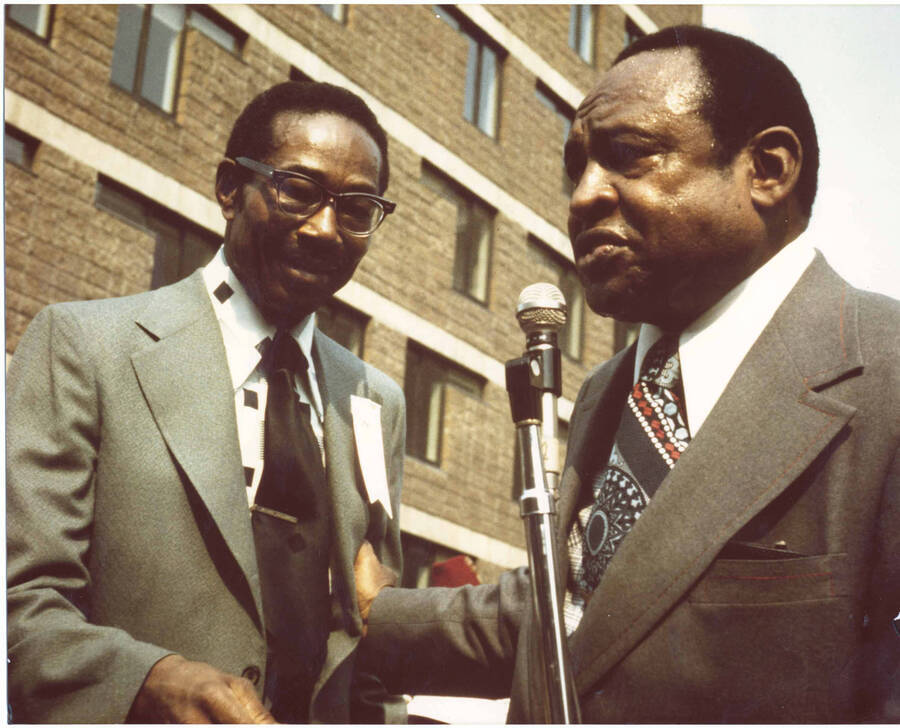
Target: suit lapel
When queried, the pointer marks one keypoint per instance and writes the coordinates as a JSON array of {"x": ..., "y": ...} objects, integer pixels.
[
  {"x": 184, "y": 377},
  {"x": 769, "y": 424}
]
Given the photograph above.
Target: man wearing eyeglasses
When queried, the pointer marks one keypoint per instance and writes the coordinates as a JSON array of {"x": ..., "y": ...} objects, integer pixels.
[{"x": 192, "y": 470}]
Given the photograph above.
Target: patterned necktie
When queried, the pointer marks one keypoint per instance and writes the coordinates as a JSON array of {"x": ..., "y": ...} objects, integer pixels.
[
  {"x": 292, "y": 530},
  {"x": 652, "y": 434}
]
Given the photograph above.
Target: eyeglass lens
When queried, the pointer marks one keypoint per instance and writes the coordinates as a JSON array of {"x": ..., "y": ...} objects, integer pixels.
[{"x": 355, "y": 213}]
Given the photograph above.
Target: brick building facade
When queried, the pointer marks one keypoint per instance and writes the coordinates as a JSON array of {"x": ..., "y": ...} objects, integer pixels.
[{"x": 116, "y": 118}]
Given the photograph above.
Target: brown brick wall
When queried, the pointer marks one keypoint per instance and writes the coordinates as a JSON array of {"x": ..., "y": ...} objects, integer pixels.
[{"x": 59, "y": 247}]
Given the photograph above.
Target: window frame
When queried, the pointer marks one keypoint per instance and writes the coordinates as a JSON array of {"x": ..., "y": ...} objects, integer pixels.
[
  {"x": 156, "y": 220},
  {"x": 29, "y": 147},
  {"x": 624, "y": 334},
  {"x": 48, "y": 31},
  {"x": 479, "y": 44},
  {"x": 337, "y": 12},
  {"x": 565, "y": 113},
  {"x": 335, "y": 313},
  {"x": 469, "y": 207},
  {"x": 140, "y": 53},
  {"x": 425, "y": 366},
  {"x": 214, "y": 18},
  {"x": 582, "y": 41},
  {"x": 136, "y": 88},
  {"x": 632, "y": 32},
  {"x": 566, "y": 281},
  {"x": 296, "y": 74}
]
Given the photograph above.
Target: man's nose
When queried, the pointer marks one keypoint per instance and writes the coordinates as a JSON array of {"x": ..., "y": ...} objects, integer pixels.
[
  {"x": 323, "y": 222},
  {"x": 594, "y": 197}
]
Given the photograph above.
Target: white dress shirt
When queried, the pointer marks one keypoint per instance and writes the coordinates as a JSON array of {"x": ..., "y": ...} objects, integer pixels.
[
  {"x": 243, "y": 329},
  {"x": 713, "y": 346}
]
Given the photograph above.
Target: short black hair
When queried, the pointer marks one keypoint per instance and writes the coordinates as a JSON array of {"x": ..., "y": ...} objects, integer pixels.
[
  {"x": 251, "y": 135},
  {"x": 750, "y": 90}
]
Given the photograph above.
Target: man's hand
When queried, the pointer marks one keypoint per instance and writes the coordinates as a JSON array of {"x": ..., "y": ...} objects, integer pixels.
[
  {"x": 177, "y": 690},
  {"x": 371, "y": 577}
]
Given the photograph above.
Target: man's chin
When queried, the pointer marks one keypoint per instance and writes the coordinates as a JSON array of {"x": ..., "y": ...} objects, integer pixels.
[
  {"x": 605, "y": 302},
  {"x": 287, "y": 307}
]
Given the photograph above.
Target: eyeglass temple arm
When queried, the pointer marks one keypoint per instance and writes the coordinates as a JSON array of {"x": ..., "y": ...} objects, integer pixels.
[{"x": 264, "y": 169}]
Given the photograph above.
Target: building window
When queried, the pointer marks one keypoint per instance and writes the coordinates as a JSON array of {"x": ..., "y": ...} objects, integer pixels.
[
  {"x": 216, "y": 28},
  {"x": 145, "y": 56},
  {"x": 181, "y": 246},
  {"x": 632, "y": 32},
  {"x": 34, "y": 18},
  {"x": 343, "y": 324},
  {"x": 565, "y": 114},
  {"x": 426, "y": 563},
  {"x": 624, "y": 334},
  {"x": 482, "y": 96},
  {"x": 295, "y": 74},
  {"x": 148, "y": 47},
  {"x": 474, "y": 233},
  {"x": 581, "y": 31},
  {"x": 338, "y": 13},
  {"x": 427, "y": 376},
  {"x": 571, "y": 335},
  {"x": 18, "y": 147}
]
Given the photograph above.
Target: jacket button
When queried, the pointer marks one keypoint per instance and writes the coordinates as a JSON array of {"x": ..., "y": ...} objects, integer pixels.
[{"x": 252, "y": 674}]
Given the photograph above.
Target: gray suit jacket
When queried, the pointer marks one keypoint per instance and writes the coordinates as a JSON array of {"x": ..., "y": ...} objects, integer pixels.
[
  {"x": 698, "y": 617},
  {"x": 129, "y": 535}
]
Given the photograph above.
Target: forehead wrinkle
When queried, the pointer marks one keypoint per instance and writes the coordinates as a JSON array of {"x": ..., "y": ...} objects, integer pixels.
[{"x": 671, "y": 80}]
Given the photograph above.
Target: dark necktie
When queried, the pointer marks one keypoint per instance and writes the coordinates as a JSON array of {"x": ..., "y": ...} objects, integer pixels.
[
  {"x": 292, "y": 529},
  {"x": 652, "y": 434}
]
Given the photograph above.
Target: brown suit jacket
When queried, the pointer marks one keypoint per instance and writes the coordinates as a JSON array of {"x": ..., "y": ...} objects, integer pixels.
[{"x": 698, "y": 617}]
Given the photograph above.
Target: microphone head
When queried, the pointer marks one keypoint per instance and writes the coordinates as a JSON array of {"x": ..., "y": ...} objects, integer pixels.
[{"x": 541, "y": 307}]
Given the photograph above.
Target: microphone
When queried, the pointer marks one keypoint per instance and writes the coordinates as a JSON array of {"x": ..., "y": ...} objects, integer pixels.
[
  {"x": 541, "y": 313},
  {"x": 533, "y": 383}
]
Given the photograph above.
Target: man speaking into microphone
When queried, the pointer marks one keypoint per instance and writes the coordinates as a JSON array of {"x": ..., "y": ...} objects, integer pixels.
[{"x": 729, "y": 519}]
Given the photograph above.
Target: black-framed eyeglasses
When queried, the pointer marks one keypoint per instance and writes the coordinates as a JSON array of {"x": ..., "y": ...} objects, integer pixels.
[{"x": 357, "y": 213}]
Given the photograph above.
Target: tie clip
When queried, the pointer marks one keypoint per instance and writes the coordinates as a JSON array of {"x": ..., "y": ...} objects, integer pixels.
[{"x": 275, "y": 514}]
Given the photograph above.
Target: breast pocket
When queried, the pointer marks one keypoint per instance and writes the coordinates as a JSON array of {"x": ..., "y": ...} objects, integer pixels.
[{"x": 770, "y": 581}]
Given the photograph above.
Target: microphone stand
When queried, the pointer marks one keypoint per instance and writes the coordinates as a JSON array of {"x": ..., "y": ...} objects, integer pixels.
[{"x": 526, "y": 380}]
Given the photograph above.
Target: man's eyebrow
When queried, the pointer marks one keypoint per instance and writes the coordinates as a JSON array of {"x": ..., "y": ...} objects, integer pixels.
[
  {"x": 620, "y": 128},
  {"x": 318, "y": 175}
]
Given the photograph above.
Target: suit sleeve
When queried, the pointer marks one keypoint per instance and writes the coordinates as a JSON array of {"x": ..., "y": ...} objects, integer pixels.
[
  {"x": 441, "y": 641},
  {"x": 62, "y": 668}
]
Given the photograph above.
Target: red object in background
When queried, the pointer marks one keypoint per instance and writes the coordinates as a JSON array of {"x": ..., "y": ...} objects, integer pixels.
[{"x": 456, "y": 571}]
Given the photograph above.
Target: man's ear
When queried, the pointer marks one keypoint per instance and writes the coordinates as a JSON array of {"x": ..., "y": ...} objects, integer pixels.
[
  {"x": 228, "y": 187},
  {"x": 777, "y": 158}
]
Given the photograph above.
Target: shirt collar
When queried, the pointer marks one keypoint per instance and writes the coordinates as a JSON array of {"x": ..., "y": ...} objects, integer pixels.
[
  {"x": 713, "y": 346},
  {"x": 243, "y": 326}
]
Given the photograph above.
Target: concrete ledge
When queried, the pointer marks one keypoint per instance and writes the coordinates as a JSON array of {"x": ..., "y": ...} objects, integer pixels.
[{"x": 452, "y": 535}]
